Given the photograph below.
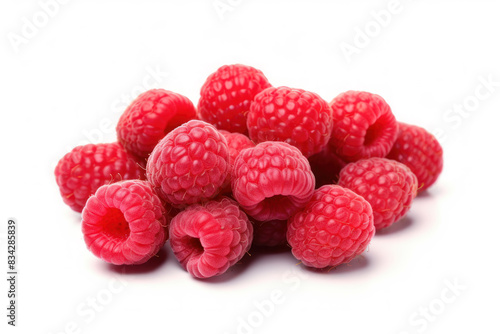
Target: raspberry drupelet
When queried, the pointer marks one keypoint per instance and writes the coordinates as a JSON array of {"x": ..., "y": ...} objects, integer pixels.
[
  {"x": 150, "y": 117},
  {"x": 334, "y": 227},
  {"x": 420, "y": 151},
  {"x": 209, "y": 238},
  {"x": 125, "y": 223},
  {"x": 363, "y": 126},
  {"x": 227, "y": 94},
  {"x": 272, "y": 180},
  {"x": 190, "y": 164},
  {"x": 295, "y": 116},
  {"x": 389, "y": 187},
  {"x": 83, "y": 170},
  {"x": 236, "y": 142}
]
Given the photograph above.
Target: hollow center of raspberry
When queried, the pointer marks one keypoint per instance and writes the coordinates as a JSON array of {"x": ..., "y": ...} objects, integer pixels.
[
  {"x": 114, "y": 225},
  {"x": 279, "y": 204},
  {"x": 276, "y": 200},
  {"x": 194, "y": 244},
  {"x": 373, "y": 132}
]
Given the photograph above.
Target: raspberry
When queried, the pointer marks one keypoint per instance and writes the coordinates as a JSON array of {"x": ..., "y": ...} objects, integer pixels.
[
  {"x": 334, "y": 227},
  {"x": 364, "y": 126},
  {"x": 226, "y": 96},
  {"x": 150, "y": 117},
  {"x": 208, "y": 239},
  {"x": 190, "y": 164},
  {"x": 300, "y": 118},
  {"x": 124, "y": 223},
  {"x": 326, "y": 166},
  {"x": 419, "y": 150},
  {"x": 272, "y": 180},
  {"x": 80, "y": 172},
  {"x": 389, "y": 187},
  {"x": 235, "y": 143},
  {"x": 269, "y": 234}
]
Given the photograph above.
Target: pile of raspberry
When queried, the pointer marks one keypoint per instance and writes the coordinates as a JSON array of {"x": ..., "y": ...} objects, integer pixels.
[{"x": 252, "y": 165}]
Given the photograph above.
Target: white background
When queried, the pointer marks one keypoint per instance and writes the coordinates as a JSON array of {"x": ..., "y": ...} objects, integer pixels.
[{"x": 67, "y": 81}]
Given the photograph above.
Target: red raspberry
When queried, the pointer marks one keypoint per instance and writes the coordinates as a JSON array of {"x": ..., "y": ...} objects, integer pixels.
[
  {"x": 272, "y": 180},
  {"x": 80, "y": 172},
  {"x": 419, "y": 150},
  {"x": 150, "y": 117},
  {"x": 124, "y": 223},
  {"x": 190, "y": 164},
  {"x": 300, "y": 118},
  {"x": 269, "y": 234},
  {"x": 226, "y": 96},
  {"x": 334, "y": 227},
  {"x": 364, "y": 126},
  {"x": 236, "y": 142},
  {"x": 326, "y": 166},
  {"x": 389, "y": 186},
  {"x": 208, "y": 239}
]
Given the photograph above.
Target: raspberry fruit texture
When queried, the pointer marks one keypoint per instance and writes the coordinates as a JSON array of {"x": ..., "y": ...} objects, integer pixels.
[
  {"x": 295, "y": 116},
  {"x": 334, "y": 227},
  {"x": 326, "y": 166},
  {"x": 227, "y": 94},
  {"x": 420, "y": 151},
  {"x": 209, "y": 238},
  {"x": 389, "y": 187},
  {"x": 269, "y": 234},
  {"x": 272, "y": 180},
  {"x": 83, "y": 170},
  {"x": 124, "y": 223},
  {"x": 364, "y": 126},
  {"x": 236, "y": 142},
  {"x": 150, "y": 117},
  {"x": 190, "y": 164}
]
